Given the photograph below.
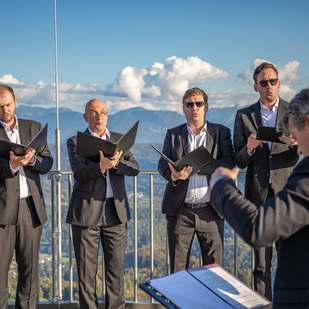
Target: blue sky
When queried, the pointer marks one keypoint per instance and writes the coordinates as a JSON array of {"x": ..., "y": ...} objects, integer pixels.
[{"x": 147, "y": 53}]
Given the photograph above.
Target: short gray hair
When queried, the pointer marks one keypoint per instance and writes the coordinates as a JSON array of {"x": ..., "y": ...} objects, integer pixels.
[{"x": 295, "y": 112}]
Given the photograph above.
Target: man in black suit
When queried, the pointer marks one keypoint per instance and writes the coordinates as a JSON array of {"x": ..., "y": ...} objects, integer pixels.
[
  {"x": 22, "y": 209},
  {"x": 268, "y": 164},
  {"x": 283, "y": 218},
  {"x": 185, "y": 200},
  {"x": 99, "y": 210}
]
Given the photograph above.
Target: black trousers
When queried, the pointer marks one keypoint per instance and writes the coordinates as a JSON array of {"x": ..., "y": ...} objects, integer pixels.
[
  {"x": 25, "y": 238},
  {"x": 209, "y": 228},
  {"x": 262, "y": 266},
  {"x": 86, "y": 240}
]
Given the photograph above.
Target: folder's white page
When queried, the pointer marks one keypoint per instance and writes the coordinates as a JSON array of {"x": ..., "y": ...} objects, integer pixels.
[
  {"x": 229, "y": 288},
  {"x": 187, "y": 293}
]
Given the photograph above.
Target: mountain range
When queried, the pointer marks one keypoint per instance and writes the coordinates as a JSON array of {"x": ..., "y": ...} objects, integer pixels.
[{"x": 152, "y": 126}]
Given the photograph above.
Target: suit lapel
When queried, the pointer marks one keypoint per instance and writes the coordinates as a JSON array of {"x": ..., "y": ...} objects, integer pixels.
[
  {"x": 184, "y": 139},
  {"x": 24, "y": 134},
  {"x": 256, "y": 115},
  {"x": 210, "y": 137},
  {"x": 3, "y": 134}
]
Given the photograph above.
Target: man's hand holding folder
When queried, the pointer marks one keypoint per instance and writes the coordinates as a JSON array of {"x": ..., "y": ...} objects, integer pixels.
[
  {"x": 107, "y": 163},
  {"x": 182, "y": 174},
  {"x": 17, "y": 161}
]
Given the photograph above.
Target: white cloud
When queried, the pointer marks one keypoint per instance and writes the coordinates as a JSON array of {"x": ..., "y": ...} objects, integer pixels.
[
  {"x": 167, "y": 80},
  {"x": 130, "y": 82},
  {"x": 159, "y": 87},
  {"x": 9, "y": 79}
]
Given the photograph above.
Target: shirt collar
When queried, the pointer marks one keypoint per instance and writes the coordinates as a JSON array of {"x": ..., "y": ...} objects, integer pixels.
[
  {"x": 263, "y": 107},
  {"x": 106, "y": 134},
  {"x": 7, "y": 128},
  {"x": 204, "y": 129}
]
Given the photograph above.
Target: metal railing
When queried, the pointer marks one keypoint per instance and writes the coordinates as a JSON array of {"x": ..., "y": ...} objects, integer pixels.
[{"x": 66, "y": 177}]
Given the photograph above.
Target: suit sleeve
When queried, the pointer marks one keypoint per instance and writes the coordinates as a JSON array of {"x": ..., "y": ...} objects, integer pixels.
[
  {"x": 241, "y": 156},
  {"x": 44, "y": 159},
  {"x": 127, "y": 165},
  {"x": 278, "y": 218},
  {"x": 224, "y": 153},
  {"x": 5, "y": 171}
]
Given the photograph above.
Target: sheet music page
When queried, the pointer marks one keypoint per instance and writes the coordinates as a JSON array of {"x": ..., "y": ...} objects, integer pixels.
[
  {"x": 229, "y": 288},
  {"x": 186, "y": 292}
]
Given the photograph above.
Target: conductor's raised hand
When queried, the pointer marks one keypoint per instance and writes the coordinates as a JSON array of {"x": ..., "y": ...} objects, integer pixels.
[
  {"x": 233, "y": 173},
  {"x": 180, "y": 175},
  {"x": 288, "y": 140},
  {"x": 107, "y": 163},
  {"x": 16, "y": 161}
]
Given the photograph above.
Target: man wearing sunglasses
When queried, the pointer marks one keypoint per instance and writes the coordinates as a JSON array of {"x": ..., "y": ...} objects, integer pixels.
[
  {"x": 268, "y": 164},
  {"x": 186, "y": 199}
]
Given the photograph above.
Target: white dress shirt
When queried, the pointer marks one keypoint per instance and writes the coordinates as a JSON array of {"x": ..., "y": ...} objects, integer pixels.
[
  {"x": 109, "y": 190},
  {"x": 198, "y": 191},
  {"x": 14, "y": 138},
  {"x": 269, "y": 118}
]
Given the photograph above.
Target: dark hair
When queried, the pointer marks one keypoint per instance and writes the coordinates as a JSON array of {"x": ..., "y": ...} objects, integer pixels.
[
  {"x": 261, "y": 67},
  {"x": 295, "y": 112},
  {"x": 194, "y": 91},
  {"x": 4, "y": 87}
]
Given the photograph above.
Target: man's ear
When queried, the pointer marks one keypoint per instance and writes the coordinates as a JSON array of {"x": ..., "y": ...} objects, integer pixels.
[{"x": 85, "y": 117}]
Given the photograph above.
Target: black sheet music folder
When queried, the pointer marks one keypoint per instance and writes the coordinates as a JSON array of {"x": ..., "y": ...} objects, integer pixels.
[
  {"x": 38, "y": 141},
  {"x": 268, "y": 134},
  {"x": 197, "y": 158},
  {"x": 88, "y": 146}
]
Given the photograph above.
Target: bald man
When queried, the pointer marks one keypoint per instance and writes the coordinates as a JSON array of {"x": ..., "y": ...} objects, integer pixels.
[{"x": 99, "y": 210}]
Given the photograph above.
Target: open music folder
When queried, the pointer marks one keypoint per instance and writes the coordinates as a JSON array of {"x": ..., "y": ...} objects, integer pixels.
[
  {"x": 88, "y": 146},
  {"x": 197, "y": 158},
  {"x": 38, "y": 141},
  {"x": 209, "y": 287}
]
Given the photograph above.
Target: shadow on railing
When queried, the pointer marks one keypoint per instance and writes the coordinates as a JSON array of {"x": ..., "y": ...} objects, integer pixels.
[{"x": 140, "y": 194}]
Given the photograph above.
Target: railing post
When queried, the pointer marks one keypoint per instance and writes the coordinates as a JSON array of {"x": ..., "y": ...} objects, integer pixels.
[
  {"x": 70, "y": 244},
  {"x": 53, "y": 236},
  {"x": 135, "y": 237},
  {"x": 151, "y": 228},
  {"x": 235, "y": 254}
]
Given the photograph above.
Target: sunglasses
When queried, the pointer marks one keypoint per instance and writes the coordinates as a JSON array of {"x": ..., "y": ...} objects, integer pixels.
[
  {"x": 264, "y": 83},
  {"x": 198, "y": 104}
]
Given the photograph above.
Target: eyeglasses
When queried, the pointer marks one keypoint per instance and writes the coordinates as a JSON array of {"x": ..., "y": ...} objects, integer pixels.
[
  {"x": 198, "y": 104},
  {"x": 96, "y": 114},
  {"x": 264, "y": 83}
]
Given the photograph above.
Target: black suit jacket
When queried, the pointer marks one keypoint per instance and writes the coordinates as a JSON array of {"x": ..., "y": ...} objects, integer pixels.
[
  {"x": 9, "y": 183},
  {"x": 218, "y": 143},
  {"x": 277, "y": 162},
  {"x": 283, "y": 219},
  {"x": 86, "y": 203}
]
